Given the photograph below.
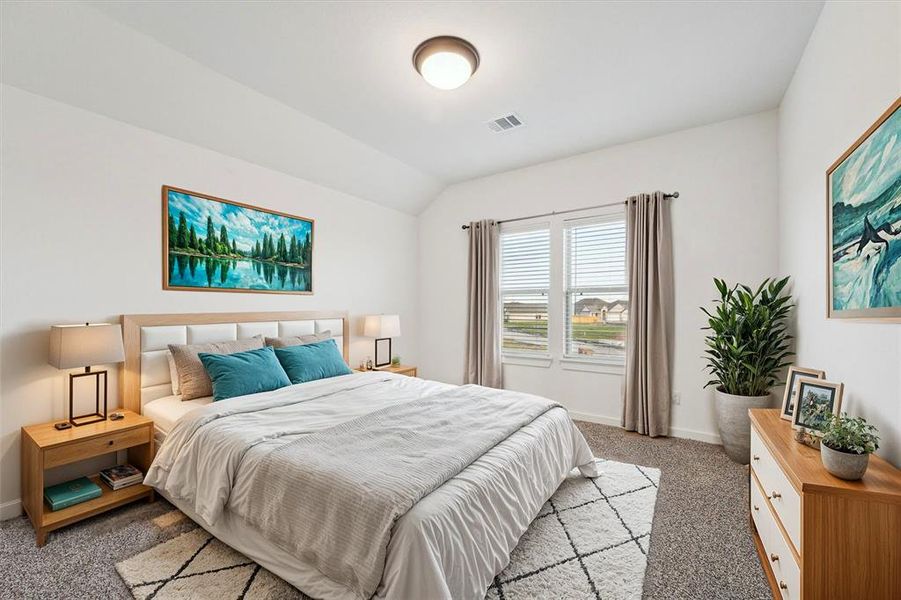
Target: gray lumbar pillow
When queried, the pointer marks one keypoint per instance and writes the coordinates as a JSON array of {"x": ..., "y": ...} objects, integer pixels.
[
  {"x": 298, "y": 340},
  {"x": 193, "y": 380}
]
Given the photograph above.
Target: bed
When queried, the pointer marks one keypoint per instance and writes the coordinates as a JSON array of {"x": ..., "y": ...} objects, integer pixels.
[{"x": 460, "y": 526}]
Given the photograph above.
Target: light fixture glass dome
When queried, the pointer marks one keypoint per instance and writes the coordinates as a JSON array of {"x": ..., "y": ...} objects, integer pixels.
[{"x": 446, "y": 62}]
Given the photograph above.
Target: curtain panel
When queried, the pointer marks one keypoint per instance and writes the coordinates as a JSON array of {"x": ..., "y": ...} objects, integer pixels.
[
  {"x": 483, "y": 340},
  {"x": 649, "y": 255}
]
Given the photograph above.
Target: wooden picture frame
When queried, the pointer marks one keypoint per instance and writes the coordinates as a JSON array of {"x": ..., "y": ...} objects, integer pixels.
[
  {"x": 791, "y": 379},
  {"x": 870, "y": 219},
  {"x": 801, "y": 419},
  {"x": 270, "y": 265}
]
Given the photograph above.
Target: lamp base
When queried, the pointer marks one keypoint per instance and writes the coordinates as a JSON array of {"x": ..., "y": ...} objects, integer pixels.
[
  {"x": 93, "y": 417},
  {"x": 87, "y": 419}
]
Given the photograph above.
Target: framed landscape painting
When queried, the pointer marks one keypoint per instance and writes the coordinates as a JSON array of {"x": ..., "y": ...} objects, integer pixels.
[
  {"x": 212, "y": 244},
  {"x": 864, "y": 204}
]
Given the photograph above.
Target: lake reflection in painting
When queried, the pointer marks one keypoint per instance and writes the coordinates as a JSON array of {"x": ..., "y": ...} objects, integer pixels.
[{"x": 250, "y": 274}]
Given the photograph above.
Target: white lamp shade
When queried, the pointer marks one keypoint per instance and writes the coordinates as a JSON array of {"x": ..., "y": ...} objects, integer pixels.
[
  {"x": 74, "y": 346},
  {"x": 381, "y": 326}
]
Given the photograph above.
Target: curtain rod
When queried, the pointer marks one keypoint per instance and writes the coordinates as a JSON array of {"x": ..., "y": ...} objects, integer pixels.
[{"x": 572, "y": 210}]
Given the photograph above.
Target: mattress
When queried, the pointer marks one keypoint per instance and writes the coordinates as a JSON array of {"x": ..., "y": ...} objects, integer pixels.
[{"x": 165, "y": 412}]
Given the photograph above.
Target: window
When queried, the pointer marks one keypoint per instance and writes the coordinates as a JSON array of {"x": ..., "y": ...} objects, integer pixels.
[
  {"x": 525, "y": 282},
  {"x": 596, "y": 294},
  {"x": 564, "y": 291}
]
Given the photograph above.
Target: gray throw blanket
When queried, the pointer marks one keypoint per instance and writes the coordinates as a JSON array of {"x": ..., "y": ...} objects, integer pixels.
[{"x": 333, "y": 497}]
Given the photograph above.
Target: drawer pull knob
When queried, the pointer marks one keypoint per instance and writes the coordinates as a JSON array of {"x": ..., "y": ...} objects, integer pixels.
[
  {"x": 782, "y": 585},
  {"x": 756, "y": 457},
  {"x": 756, "y": 507},
  {"x": 777, "y": 495},
  {"x": 111, "y": 442},
  {"x": 774, "y": 557}
]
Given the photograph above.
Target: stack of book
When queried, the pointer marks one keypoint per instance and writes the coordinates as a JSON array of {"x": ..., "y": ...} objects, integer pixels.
[
  {"x": 121, "y": 476},
  {"x": 71, "y": 492}
]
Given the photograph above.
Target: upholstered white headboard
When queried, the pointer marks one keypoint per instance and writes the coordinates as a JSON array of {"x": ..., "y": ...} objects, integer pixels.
[{"x": 145, "y": 376}]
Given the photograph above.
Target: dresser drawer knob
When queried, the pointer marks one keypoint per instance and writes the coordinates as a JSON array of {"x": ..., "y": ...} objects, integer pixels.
[
  {"x": 111, "y": 442},
  {"x": 756, "y": 457},
  {"x": 777, "y": 495},
  {"x": 782, "y": 585},
  {"x": 774, "y": 557}
]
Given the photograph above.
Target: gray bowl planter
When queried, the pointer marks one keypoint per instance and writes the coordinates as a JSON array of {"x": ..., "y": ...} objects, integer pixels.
[
  {"x": 734, "y": 423},
  {"x": 844, "y": 465}
]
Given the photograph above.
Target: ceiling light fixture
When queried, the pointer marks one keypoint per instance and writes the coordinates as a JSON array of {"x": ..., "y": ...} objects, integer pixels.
[{"x": 446, "y": 62}]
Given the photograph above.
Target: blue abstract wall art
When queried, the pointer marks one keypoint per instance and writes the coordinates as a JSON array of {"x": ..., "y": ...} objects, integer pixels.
[{"x": 865, "y": 223}]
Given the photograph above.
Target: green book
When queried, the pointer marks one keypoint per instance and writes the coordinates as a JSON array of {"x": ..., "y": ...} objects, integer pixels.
[{"x": 71, "y": 492}]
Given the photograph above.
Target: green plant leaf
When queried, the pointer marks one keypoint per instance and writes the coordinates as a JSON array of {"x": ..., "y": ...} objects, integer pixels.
[{"x": 748, "y": 340}]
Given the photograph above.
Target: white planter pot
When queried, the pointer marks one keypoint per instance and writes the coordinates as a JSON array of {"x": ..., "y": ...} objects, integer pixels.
[
  {"x": 844, "y": 465},
  {"x": 734, "y": 423}
]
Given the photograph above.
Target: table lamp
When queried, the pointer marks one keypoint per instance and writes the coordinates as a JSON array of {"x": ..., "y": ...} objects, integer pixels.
[
  {"x": 382, "y": 328},
  {"x": 75, "y": 346}
]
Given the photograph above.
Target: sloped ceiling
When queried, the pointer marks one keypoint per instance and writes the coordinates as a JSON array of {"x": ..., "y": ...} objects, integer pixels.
[{"x": 326, "y": 90}]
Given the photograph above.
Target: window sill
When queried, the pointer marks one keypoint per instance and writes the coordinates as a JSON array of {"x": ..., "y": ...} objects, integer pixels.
[
  {"x": 527, "y": 361},
  {"x": 610, "y": 366}
]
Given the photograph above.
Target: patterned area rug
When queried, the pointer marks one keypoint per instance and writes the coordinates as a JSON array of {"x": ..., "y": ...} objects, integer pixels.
[{"x": 590, "y": 540}]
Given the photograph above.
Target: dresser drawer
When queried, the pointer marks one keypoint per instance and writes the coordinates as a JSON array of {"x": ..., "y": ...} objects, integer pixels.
[
  {"x": 782, "y": 496},
  {"x": 779, "y": 557},
  {"x": 75, "y": 451}
]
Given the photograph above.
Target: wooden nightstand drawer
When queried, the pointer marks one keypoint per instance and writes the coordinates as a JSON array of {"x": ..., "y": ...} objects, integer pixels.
[{"x": 75, "y": 451}]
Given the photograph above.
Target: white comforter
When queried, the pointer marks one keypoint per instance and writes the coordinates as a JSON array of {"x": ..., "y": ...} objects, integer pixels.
[{"x": 449, "y": 545}]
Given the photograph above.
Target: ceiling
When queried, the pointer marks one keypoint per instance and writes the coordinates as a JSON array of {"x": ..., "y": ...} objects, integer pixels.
[{"x": 581, "y": 75}]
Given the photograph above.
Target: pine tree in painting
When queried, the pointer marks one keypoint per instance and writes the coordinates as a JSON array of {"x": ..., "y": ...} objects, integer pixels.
[
  {"x": 173, "y": 231},
  {"x": 210, "y": 235},
  {"x": 181, "y": 240}
]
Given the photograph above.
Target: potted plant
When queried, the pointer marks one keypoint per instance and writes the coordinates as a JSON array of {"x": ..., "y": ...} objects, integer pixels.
[
  {"x": 746, "y": 348},
  {"x": 846, "y": 446}
]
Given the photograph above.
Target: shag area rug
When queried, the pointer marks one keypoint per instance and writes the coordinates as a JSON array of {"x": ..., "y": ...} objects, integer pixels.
[{"x": 590, "y": 540}]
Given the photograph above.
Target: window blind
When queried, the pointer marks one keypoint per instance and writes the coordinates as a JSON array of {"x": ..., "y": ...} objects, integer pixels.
[
  {"x": 597, "y": 300},
  {"x": 524, "y": 285}
]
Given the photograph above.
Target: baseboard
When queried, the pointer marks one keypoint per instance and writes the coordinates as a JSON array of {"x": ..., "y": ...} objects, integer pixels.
[
  {"x": 690, "y": 434},
  {"x": 580, "y": 416},
  {"x": 10, "y": 510}
]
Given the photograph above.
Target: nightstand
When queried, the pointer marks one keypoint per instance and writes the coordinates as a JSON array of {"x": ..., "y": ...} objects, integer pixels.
[
  {"x": 400, "y": 370},
  {"x": 44, "y": 447}
]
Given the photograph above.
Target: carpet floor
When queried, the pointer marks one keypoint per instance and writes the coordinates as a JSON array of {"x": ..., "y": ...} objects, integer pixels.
[{"x": 702, "y": 543}]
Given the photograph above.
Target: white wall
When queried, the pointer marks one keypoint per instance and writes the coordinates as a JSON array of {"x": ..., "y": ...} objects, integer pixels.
[
  {"x": 80, "y": 241},
  {"x": 724, "y": 225},
  {"x": 76, "y": 54},
  {"x": 849, "y": 74}
]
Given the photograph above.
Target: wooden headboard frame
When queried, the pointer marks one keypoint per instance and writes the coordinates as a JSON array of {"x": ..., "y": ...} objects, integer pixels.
[{"x": 130, "y": 371}]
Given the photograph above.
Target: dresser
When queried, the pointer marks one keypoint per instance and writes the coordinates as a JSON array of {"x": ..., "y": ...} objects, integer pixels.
[{"x": 820, "y": 537}]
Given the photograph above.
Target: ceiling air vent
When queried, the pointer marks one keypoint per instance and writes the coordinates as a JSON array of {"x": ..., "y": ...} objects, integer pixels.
[{"x": 506, "y": 123}]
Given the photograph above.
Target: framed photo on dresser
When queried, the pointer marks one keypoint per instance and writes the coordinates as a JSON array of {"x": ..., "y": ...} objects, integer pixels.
[
  {"x": 791, "y": 380},
  {"x": 817, "y": 399}
]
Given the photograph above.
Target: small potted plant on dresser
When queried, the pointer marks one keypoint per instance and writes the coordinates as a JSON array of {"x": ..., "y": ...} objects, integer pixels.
[
  {"x": 746, "y": 348},
  {"x": 846, "y": 446}
]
